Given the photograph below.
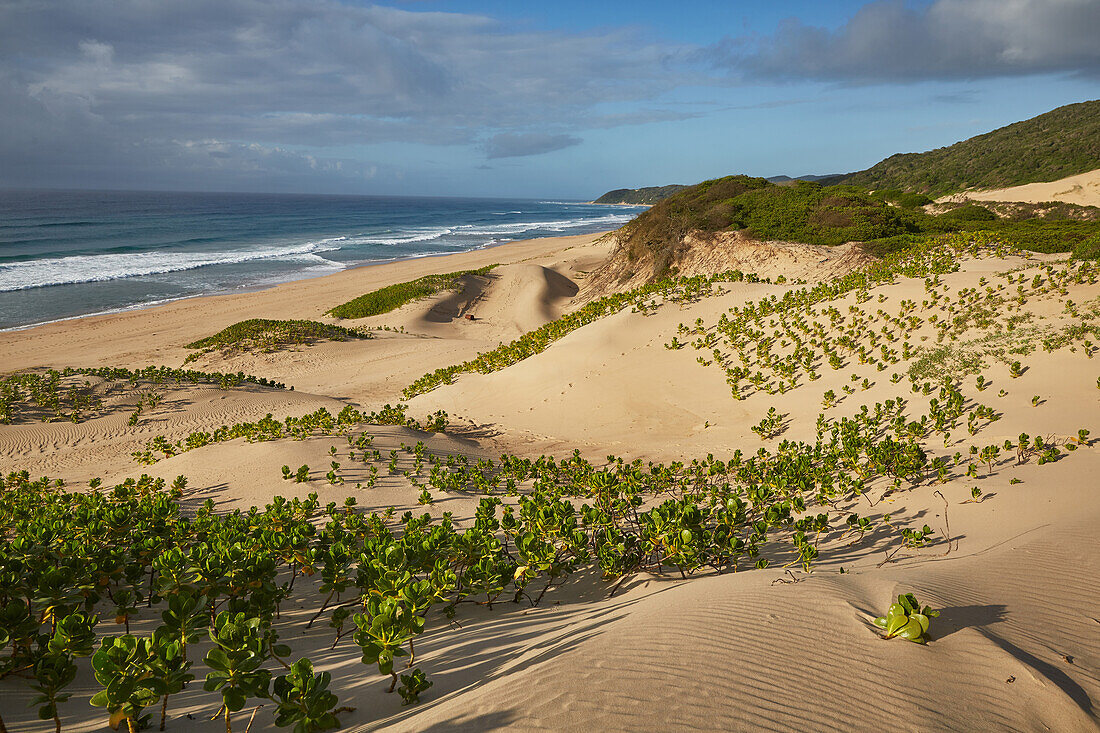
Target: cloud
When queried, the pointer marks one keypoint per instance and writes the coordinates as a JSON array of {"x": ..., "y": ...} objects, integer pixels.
[
  {"x": 118, "y": 83},
  {"x": 892, "y": 41},
  {"x": 511, "y": 145}
]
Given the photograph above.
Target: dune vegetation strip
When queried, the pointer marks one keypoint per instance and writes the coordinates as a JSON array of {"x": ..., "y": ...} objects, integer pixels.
[
  {"x": 682, "y": 289},
  {"x": 263, "y": 334},
  {"x": 319, "y": 422},
  {"x": 55, "y": 394},
  {"x": 393, "y": 297}
]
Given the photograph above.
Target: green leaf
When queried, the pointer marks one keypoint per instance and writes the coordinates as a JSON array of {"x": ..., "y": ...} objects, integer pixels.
[
  {"x": 234, "y": 699},
  {"x": 912, "y": 630},
  {"x": 217, "y": 659},
  {"x": 894, "y": 624}
]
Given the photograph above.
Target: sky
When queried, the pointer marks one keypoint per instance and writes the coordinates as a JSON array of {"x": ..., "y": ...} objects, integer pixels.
[{"x": 512, "y": 98}]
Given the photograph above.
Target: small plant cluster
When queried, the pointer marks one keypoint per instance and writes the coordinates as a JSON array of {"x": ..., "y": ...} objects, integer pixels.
[
  {"x": 319, "y": 422},
  {"x": 263, "y": 334},
  {"x": 60, "y": 394},
  {"x": 907, "y": 620},
  {"x": 393, "y": 297},
  {"x": 772, "y": 425}
]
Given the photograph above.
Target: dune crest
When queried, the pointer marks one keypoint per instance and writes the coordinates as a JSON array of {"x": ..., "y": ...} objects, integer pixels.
[{"x": 1082, "y": 189}]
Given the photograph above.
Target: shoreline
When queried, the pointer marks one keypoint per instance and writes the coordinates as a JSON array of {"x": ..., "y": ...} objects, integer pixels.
[
  {"x": 155, "y": 333},
  {"x": 258, "y": 288}
]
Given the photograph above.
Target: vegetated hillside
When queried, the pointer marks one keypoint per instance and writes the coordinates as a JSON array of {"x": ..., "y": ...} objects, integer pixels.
[
  {"x": 802, "y": 212},
  {"x": 1060, "y": 143},
  {"x": 655, "y": 243},
  {"x": 641, "y": 196}
]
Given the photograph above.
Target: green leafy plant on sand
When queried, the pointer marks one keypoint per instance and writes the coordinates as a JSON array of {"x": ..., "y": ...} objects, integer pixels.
[
  {"x": 304, "y": 700},
  {"x": 393, "y": 297},
  {"x": 907, "y": 620},
  {"x": 263, "y": 334}
]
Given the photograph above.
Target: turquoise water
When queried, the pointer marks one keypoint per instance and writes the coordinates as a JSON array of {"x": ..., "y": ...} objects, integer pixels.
[{"x": 71, "y": 253}]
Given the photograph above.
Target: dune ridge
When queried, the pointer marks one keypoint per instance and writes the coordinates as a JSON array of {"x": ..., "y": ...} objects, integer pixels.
[{"x": 1082, "y": 189}]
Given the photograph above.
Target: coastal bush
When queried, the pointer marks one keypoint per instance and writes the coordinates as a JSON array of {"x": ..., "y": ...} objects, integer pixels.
[
  {"x": 827, "y": 215},
  {"x": 802, "y": 212},
  {"x": 1087, "y": 249},
  {"x": 262, "y": 334},
  {"x": 394, "y": 296},
  {"x": 969, "y": 212}
]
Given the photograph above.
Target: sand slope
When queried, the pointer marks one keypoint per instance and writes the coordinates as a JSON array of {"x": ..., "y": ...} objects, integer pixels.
[
  {"x": 1017, "y": 646},
  {"x": 1082, "y": 189}
]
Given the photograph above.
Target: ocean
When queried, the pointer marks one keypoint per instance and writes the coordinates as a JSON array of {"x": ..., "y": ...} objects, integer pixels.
[{"x": 65, "y": 254}]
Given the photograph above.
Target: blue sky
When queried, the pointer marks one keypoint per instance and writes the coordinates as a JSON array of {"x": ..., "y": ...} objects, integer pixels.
[{"x": 505, "y": 98}]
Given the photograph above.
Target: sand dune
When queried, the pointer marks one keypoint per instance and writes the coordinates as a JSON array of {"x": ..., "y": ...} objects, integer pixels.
[
  {"x": 1082, "y": 189},
  {"x": 1017, "y": 646},
  {"x": 718, "y": 252}
]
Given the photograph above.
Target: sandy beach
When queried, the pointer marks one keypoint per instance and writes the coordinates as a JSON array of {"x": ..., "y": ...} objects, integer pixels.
[{"x": 1012, "y": 571}]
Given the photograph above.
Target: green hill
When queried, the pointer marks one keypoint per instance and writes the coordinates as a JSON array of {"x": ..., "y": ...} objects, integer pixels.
[
  {"x": 1060, "y": 143},
  {"x": 801, "y": 211},
  {"x": 639, "y": 196},
  {"x": 804, "y": 211}
]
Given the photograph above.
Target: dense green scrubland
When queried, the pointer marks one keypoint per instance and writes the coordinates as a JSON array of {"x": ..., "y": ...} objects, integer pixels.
[
  {"x": 1060, "y": 143},
  {"x": 826, "y": 215}
]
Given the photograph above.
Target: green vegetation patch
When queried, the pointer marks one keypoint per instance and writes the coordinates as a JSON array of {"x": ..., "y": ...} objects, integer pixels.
[
  {"x": 393, "y": 297},
  {"x": 951, "y": 361},
  {"x": 263, "y": 334},
  {"x": 1060, "y": 143},
  {"x": 885, "y": 221},
  {"x": 802, "y": 212},
  {"x": 1087, "y": 249}
]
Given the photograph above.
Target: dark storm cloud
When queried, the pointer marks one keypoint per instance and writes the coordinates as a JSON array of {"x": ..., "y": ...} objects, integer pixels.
[{"x": 892, "y": 41}]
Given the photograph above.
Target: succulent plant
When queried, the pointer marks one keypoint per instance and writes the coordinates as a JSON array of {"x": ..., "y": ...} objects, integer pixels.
[{"x": 907, "y": 620}]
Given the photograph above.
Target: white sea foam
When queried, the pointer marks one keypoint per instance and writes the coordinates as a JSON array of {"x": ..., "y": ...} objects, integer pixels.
[
  {"x": 74, "y": 269},
  {"x": 550, "y": 226},
  {"x": 414, "y": 235},
  {"x": 98, "y": 268}
]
